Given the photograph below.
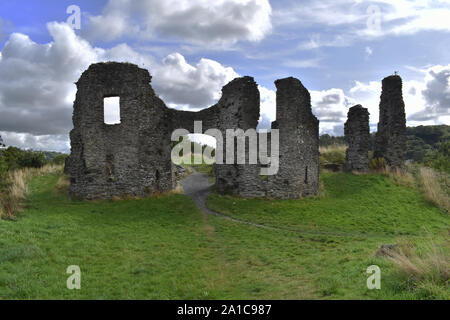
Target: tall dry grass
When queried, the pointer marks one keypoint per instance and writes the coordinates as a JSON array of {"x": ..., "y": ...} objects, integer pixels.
[
  {"x": 15, "y": 191},
  {"x": 431, "y": 188},
  {"x": 431, "y": 263},
  {"x": 429, "y": 181},
  {"x": 400, "y": 176},
  {"x": 333, "y": 155},
  {"x": 339, "y": 148}
]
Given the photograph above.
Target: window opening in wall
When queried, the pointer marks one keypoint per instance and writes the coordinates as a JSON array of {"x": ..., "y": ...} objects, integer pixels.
[{"x": 111, "y": 108}]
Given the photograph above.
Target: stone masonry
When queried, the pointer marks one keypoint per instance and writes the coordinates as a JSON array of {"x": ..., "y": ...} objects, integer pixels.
[
  {"x": 390, "y": 141},
  {"x": 357, "y": 136},
  {"x": 134, "y": 157},
  {"x": 298, "y": 173}
]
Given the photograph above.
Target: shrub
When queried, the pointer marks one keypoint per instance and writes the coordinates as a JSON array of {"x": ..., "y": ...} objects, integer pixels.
[
  {"x": 3, "y": 169},
  {"x": 15, "y": 158},
  {"x": 431, "y": 264},
  {"x": 31, "y": 159},
  {"x": 333, "y": 154},
  {"x": 62, "y": 185},
  {"x": 14, "y": 192},
  {"x": 400, "y": 176},
  {"x": 15, "y": 189},
  {"x": 440, "y": 159},
  {"x": 376, "y": 164},
  {"x": 60, "y": 159}
]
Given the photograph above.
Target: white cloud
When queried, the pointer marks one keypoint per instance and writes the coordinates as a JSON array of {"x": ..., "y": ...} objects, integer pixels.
[
  {"x": 434, "y": 94},
  {"x": 330, "y": 107},
  {"x": 267, "y": 107},
  {"x": 302, "y": 64},
  {"x": 345, "y": 21},
  {"x": 37, "y": 85},
  {"x": 409, "y": 17},
  {"x": 198, "y": 21},
  {"x": 199, "y": 86},
  {"x": 325, "y": 12},
  {"x": 317, "y": 41},
  {"x": 59, "y": 143},
  {"x": 427, "y": 101},
  {"x": 368, "y": 95}
]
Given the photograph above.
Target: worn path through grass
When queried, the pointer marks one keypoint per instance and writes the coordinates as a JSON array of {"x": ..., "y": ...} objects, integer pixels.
[{"x": 166, "y": 248}]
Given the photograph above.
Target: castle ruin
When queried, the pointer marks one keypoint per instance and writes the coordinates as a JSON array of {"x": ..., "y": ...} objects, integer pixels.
[{"x": 134, "y": 156}]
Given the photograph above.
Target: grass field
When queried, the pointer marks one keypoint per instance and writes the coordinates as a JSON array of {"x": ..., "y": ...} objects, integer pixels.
[{"x": 164, "y": 248}]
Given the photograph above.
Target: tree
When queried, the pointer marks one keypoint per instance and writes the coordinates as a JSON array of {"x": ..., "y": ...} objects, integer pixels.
[
  {"x": 60, "y": 159},
  {"x": 440, "y": 159}
]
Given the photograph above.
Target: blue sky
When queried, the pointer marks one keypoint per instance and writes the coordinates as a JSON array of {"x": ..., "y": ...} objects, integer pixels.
[{"x": 339, "y": 49}]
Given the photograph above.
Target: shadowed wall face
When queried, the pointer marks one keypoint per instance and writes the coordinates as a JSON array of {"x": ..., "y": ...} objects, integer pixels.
[
  {"x": 357, "y": 136},
  {"x": 133, "y": 157},
  {"x": 390, "y": 141}
]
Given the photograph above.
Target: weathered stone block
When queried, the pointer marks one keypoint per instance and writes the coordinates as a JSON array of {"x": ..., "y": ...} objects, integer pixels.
[{"x": 357, "y": 136}]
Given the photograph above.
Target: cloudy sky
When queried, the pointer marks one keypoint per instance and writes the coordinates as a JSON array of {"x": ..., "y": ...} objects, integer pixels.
[{"x": 339, "y": 49}]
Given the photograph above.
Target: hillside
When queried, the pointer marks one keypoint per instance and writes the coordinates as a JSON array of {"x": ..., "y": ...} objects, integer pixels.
[{"x": 165, "y": 248}]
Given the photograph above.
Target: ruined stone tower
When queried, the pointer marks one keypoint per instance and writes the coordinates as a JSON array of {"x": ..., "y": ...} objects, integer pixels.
[
  {"x": 238, "y": 108},
  {"x": 133, "y": 157},
  {"x": 390, "y": 141},
  {"x": 357, "y": 136},
  {"x": 298, "y": 173},
  {"x": 127, "y": 158}
]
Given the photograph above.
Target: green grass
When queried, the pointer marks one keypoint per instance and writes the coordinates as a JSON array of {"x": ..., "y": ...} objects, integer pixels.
[
  {"x": 164, "y": 248},
  {"x": 362, "y": 205},
  {"x": 204, "y": 168}
]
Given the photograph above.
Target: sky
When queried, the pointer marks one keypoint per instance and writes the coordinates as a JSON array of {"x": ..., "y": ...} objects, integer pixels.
[{"x": 339, "y": 49}]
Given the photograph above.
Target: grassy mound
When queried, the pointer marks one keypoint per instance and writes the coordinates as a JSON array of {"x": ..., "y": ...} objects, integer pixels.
[{"x": 165, "y": 248}]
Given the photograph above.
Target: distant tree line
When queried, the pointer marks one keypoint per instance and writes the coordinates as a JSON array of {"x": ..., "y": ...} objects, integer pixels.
[
  {"x": 326, "y": 140},
  {"x": 12, "y": 158}
]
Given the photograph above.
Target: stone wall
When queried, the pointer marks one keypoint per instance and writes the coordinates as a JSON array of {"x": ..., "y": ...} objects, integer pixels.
[
  {"x": 128, "y": 158},
  {"x": 357, "y": 136},
  {"x": 133, "y": 157},
  {"x": 298, "y": 173},
  {"x": 390, "y": 141}
]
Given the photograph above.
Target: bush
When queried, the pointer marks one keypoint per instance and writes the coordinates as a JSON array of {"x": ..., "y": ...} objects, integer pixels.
[
  {"x": 440, "y": 159},
  {"x": 3, "y": 169},
  {"x": 31, "y": 159},
  {"x": 15, "y": 189},
  {"x": 430, "y": 265},
  {"x": 333, "y": 154},
  {"x": 60, "y": 159},
  {"x": 431, "y": 188},
  {"x": 14, "y": 158},
  {"x": 376, "y": 164}
]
